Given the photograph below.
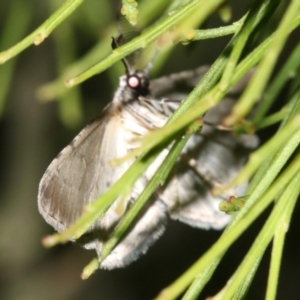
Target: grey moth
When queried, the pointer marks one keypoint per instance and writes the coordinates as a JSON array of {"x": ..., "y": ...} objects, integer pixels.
[{"x": 82, "y": 171}]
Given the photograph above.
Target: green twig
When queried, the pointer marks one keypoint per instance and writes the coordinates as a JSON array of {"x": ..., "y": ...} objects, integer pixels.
[
  {"x": 15, "y": 26},
  {"x": 238, "y": 226},
  {"x": 70, "y": 105},
  {"x": 194, "y": 106},
  {"x": 42, "y": 32},
  {"x": 204, "y": 34},
  {"x": 289, "y": 198},
  {"x": 242, "y": 37},
  {"x": 204, "y": 8},
  {"x": 266, "y": 66},
  {"x": 287, "y": 72},
  {"x": 277, "y": 221}
]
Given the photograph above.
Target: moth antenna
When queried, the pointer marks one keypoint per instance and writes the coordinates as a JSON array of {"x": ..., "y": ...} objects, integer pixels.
[
  {"x": 150, "y": 64},
  {"x": 116, "y": 44}
]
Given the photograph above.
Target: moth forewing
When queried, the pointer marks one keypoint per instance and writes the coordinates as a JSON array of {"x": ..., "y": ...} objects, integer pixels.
[
  {"x": 83, "y": 171},
  {"x": 60, "y": 205}
]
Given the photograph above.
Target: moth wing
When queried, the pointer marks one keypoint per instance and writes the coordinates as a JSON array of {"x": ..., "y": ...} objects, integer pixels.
[
  {"x": 81, "y": 172},
  {"x": 148, "y": 226},
  {"x": 211, "y": 158}
]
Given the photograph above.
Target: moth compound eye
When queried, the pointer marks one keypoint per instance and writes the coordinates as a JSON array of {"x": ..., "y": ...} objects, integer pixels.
[
  {"x": 139, "y": 83},
  {"x": 134, "y": 82},
  {"x": 144, "y": 82}
]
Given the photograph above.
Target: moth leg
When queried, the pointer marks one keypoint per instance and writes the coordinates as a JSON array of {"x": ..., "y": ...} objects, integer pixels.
[
  {"x": 189, "y": 199},
  {"x": 204, "y": 176}
]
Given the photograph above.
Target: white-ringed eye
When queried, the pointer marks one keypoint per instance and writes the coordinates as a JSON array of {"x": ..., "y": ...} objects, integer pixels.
[{"x": 134, "y": 82}]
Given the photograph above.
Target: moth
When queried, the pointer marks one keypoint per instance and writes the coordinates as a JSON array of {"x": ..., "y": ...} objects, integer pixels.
[{"x": 82, "y": 171}]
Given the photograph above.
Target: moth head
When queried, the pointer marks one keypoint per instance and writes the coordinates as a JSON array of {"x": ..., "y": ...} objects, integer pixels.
[
  {"x": 138, "y": 82},
  {"x": 132, "y": 86}
]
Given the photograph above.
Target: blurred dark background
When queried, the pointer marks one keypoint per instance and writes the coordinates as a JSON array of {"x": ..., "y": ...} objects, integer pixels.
[{"x": 32, "y": 133}]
